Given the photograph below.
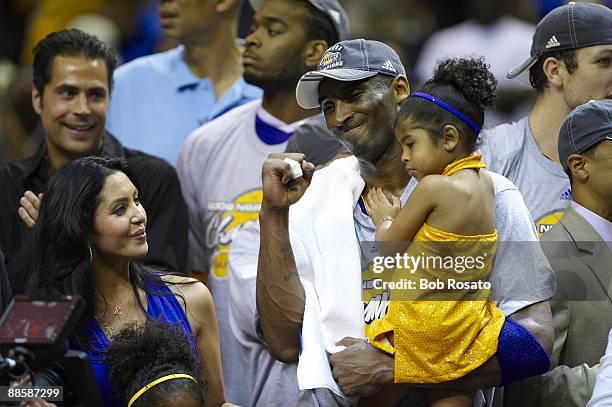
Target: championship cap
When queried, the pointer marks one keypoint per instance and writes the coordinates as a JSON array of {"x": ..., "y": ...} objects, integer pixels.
[
  {"x": 332, "y": 8},
  {"x": 585, "y": 126},
  {"x": 348, "y": 61},
  {"x": 572, "y": 26}
]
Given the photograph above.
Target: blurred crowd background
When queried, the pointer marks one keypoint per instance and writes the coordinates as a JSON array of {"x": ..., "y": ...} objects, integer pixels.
[{"x": 421, "y": 31}]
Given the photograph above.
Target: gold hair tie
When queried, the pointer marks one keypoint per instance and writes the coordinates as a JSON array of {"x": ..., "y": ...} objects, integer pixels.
[{"x": 158, "y": 381}]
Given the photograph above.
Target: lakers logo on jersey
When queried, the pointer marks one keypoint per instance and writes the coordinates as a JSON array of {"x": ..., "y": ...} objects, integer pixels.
[
  {"x": 548, "y": 221},
  {"x": 229, "y": 218}
]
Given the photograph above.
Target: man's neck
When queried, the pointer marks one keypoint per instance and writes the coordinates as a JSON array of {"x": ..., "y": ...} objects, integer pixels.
[
  {"x": 545, "y": 120},
  {"x": 591, "y": 201},
  {"x": 59, "y": 158},
  {"x": 281, "y": 104},
  {"x": 217, "y": 57},
  {"x": 387, "y": 173}
]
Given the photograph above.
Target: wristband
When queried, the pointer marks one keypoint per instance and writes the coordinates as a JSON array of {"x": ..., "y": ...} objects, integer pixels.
[{"x": 519, "y": 354}]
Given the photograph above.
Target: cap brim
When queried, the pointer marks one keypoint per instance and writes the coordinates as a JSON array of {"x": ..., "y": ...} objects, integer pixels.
[
  {"x": 307, "y": 90},
  {"x": 256, "y": 4},
  {"x": 514, "y": 72}
]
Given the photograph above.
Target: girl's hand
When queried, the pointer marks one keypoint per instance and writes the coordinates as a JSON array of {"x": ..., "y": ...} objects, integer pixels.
[{"x": 379, "y": 206}]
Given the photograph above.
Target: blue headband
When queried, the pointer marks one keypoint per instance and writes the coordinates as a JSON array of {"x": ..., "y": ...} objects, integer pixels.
[{"x": 449, "y": 108}]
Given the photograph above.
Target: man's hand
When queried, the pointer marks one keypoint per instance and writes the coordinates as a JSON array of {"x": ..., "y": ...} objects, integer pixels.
[
  {"x": 279, "y": 190},
  {"x": 30, "y": 205},
  {"x": 361, "y": 369}
]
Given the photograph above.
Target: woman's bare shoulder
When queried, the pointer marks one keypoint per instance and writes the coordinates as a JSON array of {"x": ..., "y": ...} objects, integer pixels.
[{"x": 194, "y": 291}]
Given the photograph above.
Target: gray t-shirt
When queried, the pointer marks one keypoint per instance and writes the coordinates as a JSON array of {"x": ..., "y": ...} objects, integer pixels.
[
  {"x": 220, "y": 173},
  {"x": 511, "y": 150},
  {"x": 315, "y": 141}
]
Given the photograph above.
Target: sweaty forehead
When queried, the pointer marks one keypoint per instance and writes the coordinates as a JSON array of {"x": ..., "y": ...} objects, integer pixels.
[
  {"x": 79, "y": 68},
  {"x": 332, "y": 88},
  {"x": 595, "y": 50}
]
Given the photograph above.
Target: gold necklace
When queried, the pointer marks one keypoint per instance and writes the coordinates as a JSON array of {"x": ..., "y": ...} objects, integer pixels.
[{"x": 117, "y": 314}]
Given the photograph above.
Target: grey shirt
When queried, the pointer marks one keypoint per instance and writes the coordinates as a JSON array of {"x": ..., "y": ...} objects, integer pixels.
[{"x": 511, "y": 150}]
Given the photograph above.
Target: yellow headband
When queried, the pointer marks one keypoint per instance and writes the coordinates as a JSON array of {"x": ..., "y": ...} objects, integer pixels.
[{"x": 158, "y": 381}]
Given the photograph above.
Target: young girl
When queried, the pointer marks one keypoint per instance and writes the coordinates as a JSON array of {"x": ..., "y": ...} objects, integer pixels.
[
  {"x": 154, "y": 365},
  {"x": 437, "y": 127}
]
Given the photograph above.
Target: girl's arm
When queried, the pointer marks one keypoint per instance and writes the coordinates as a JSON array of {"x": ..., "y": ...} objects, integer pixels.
[{"x": 407, "y": 222}]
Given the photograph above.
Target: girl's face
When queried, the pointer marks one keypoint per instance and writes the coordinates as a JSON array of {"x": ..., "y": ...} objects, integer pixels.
[
  {"x": 120, "y": 220},
  {"x": 421, "y": 155}
]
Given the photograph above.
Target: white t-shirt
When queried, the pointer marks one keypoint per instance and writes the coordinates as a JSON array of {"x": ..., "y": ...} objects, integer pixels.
[{"x": 220, "y": 173}]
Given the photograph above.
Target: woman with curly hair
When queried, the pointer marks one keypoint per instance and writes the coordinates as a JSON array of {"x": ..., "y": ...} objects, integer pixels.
[
  {"x": 154, "y": 365},
  {"x": 91, "y": 231}
]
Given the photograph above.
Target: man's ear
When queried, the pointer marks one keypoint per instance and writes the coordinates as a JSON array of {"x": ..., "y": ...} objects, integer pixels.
[
  {"x": 222, "y": 6},
  {"x": 36, "y": 100},
  {"x": 401, "y": 89},
  {"x": 578, "y": 165},
  {"x": 450, "y": 137},
  {"x": 313, "y": 51},
  {"x": 552, "y": 69}
]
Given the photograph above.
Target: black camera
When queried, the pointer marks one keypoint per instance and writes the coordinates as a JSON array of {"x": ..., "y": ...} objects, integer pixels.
[{"x": 34, "y": 334}]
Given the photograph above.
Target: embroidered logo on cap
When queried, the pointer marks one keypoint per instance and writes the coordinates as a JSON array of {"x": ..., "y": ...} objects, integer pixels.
[
  {"x": 552, "y": 42},
  {"x": 388, "y": 66},
  {"x": 331, "y": 60}
]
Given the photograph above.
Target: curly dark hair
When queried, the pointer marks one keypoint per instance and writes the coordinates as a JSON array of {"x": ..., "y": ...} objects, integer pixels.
[
  {"x": 140, "y": 354},
  {"x": 466, "y": 84}
]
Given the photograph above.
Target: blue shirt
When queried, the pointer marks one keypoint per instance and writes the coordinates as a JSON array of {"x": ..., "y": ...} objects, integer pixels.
[
  {"x": 157, "y": 102},
  {"x": 161, "y": 303}
]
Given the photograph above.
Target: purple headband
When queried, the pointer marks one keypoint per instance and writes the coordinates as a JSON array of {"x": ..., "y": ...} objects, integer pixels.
[{"x": 449, "y": 108}]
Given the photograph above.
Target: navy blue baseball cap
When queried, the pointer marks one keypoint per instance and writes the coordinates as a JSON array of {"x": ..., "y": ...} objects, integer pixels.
[
  {"x": 348, "y": 61},
  {"x": 587, "y": 125},
  {"x": 572, "y": 26}
]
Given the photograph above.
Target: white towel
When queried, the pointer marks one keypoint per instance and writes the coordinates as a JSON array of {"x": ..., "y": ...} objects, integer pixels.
[{"x": 327, "y": 255}]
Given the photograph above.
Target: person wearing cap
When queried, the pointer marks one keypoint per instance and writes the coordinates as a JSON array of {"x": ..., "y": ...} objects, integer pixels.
[
  {"x": 578, "y": 248},
  {"x": 159, "y": 99},
  {"x": 570, "y": 64},
  {"x": 219, "y": 165},
  {"x": 359, "y": 85}
]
